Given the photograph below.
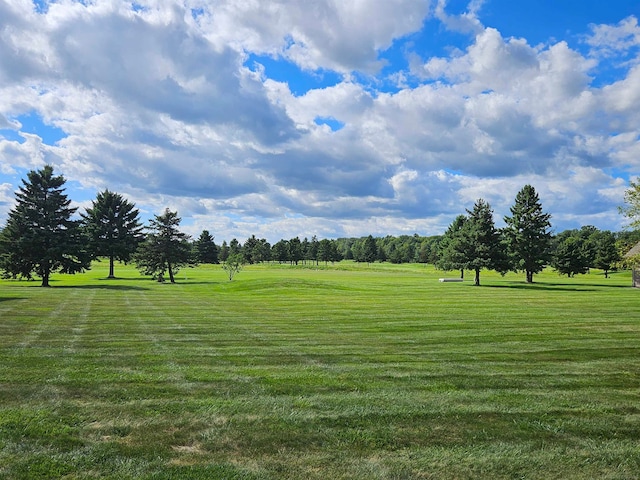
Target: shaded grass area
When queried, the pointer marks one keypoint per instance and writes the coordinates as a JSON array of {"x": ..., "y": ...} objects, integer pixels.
[{"x": 350, "y": 372}]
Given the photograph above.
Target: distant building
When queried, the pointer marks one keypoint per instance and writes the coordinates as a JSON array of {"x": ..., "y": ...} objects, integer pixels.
[{"x": 634, "y": 255}]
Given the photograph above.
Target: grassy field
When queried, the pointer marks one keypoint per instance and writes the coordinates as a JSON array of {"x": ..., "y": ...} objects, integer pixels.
[{"x": 350, "y": 372}]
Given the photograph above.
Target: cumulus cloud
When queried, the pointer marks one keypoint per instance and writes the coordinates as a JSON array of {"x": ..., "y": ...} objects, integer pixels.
[{"x": 157, "y": 102}]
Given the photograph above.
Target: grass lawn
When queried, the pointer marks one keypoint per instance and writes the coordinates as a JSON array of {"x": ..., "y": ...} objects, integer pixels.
[{"x": 350, "y": 372}]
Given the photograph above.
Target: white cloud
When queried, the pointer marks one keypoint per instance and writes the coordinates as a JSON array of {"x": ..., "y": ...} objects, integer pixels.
[
  {"x": 610, "y": 40},
  {"x": 157, "y": 104}
]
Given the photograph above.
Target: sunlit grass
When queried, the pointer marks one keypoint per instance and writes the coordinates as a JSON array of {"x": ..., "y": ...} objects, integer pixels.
[{"x": 345, "y": 371}]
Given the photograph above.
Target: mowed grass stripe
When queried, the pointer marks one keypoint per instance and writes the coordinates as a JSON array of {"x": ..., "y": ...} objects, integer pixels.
[{"x": 359, "y": 372}]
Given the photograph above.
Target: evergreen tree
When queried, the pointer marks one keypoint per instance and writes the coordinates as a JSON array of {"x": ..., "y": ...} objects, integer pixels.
[
  {"x": 166, "y": 248},
  {"x": 482, "y": 243},
  {"x": 607, "y": 253},
  {"x": 113, "y": 227},
  {"x": 369, "y": 249},
  {"x": 295, "y": 250},
  {"x": 280, "y": 251},
  {"x": 527, "y": 234},
  {"x": 570, "y": 256},
  {"x": 206, "y": 251},
  {"x": 312, "y": 251},
  {"x": 325, "y": 251},
  {"x": 451, "y": 251},
  {"x": 40, "y": 236},
  {"x": 224, "y": 251}
]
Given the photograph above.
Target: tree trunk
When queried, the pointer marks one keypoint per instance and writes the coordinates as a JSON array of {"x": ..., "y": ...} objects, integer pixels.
[
  {"x": 462, "y": 273},
  {"x": 529, "y": 276},
  {"x": 46, "y": 273},
  {"x": 111, "y": 275},
  {"x": 171, "y": 279},
  {"x": 477, "y": 279}
]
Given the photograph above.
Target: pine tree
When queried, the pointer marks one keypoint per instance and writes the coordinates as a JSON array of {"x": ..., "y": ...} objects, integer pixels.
[
  {"x": 527, "y": 234},
  {"x": 113, "y": 227},
  {"x": 166, "y": 248},
  {"x": 40, "y": 236}
]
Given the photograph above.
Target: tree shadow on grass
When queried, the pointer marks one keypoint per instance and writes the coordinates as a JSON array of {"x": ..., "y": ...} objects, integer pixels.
[
  {"x": 101, "y": 287},
  {"x": 557, "y": 286},
  {"x": 10, "y": 298}
]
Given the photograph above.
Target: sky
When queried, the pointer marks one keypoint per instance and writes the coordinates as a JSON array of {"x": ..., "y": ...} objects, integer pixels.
[{"x": 334, "y": 118}]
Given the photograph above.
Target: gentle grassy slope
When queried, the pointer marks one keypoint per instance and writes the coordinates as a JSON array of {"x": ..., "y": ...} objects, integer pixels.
[{"x": 352, "y": 372}]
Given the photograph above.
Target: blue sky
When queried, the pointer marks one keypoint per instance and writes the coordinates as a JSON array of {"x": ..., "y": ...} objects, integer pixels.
[{"x": 290, "y": 118}]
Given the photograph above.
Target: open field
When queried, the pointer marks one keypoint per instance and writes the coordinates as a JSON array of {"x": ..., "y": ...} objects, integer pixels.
[{"x": 352, "y": 372}]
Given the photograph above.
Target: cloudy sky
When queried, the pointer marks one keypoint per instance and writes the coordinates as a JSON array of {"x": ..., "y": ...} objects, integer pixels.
[{"x": 333, "y": 118}]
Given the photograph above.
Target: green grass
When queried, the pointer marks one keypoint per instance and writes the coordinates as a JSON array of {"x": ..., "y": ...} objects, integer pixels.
[{"x": 350, "y": 372}]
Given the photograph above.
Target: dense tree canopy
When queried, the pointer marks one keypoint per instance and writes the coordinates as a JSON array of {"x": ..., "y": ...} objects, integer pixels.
[
  {"x": 40, "y": 236},
  {"x": 113, "y": 228}
]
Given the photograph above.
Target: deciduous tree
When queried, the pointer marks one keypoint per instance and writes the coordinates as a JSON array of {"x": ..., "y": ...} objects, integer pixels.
[
  {"x": 233, "y": 264},
  {"x": 632, "y": 200}
]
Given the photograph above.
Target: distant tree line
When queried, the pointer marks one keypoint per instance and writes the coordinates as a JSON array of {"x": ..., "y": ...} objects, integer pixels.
[{"x": 42, "y": 235}]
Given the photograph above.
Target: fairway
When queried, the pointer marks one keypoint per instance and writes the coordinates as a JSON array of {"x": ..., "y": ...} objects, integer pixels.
[{"x": 341, "y": 372}]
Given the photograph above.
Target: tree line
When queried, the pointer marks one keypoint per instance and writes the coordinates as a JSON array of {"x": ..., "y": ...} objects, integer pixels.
[{"x": 44, "y": 235}]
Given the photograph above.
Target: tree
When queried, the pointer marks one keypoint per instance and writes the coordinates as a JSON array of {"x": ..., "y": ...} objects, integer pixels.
[
  {"x": 40, "y": 236},
  {"x": 632, "y": 199},
  {"x": 233, "y": 264},
  {"x": 256, "y": 250},
  {"x": 295, "y": 250},
  {"x": 527, "y": 234},
  {"x": 452, "y": 248},
  {"x": 327, "y": 251},
  {"x": 206, "y": 251},
  {"x": 569, "y": 257},
  {"x": 113, "y": 227},
  {"x": 224, "y": 251},
  {"x": 606, "y": 251},
  {"x": 166, "y": 248},
  {"x": 280, "y": 251},
  {"x": 369, "y": 250},
  {"x": 482, "y": 241}
]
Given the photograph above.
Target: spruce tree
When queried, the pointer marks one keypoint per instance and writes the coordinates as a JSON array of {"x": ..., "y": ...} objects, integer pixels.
[
  {"x": 40, "y": 236},
  {"x": 206, "y": 250},
  {"x": 166, "y": 248},
  {"x": 482, "y": 241},
  {"x": 451, "y": 251},
  {"x": 113, "y": 227},
  {"x": 527, "y": 234}
]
